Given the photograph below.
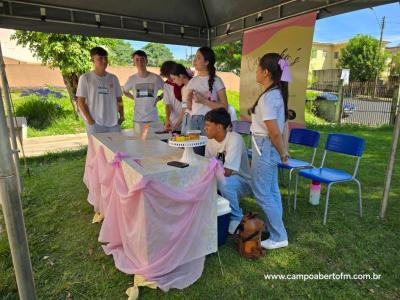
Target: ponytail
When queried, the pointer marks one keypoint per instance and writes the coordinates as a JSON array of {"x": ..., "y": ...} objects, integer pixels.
[
  {"x": 209, "y": 56},
  {"x": 211, "y": 72},
  {"x": 270, "y": 62}
]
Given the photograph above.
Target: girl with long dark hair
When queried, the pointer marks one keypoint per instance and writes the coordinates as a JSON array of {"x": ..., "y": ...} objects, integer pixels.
[
  {"x": 182, "y": 76},
  {"x": 269, "y": 114},
  {"x": 206, "y": 89}
]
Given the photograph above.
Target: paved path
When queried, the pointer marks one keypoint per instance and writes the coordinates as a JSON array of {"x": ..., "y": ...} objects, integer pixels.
[{"x": 43, "y": 145}]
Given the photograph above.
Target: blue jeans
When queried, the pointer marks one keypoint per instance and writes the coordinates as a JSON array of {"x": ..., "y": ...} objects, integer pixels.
[
  {"x": 197, "y": 123},
  {"x": 235, "y": 187},
  {"x": 95, "y": 128},
  {"x": 264, "y": 176}
]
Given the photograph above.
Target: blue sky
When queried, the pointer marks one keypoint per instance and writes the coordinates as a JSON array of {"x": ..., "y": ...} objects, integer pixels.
[{"x": 337, "y": 28}]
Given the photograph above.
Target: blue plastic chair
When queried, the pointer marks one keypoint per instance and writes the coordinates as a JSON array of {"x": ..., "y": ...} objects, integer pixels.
[
  {"x": 340, "y": 143},
  {"x": 303, "y": 137}
]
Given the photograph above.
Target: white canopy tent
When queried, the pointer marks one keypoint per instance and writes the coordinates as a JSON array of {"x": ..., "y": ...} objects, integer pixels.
[{"x": 184, "y": 22}]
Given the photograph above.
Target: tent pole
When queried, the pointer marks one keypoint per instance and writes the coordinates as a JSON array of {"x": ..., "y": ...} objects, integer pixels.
[
  {"x": 13, "y": 124},
  {"x": 390, "y": 168},
  {"x": 207, "y": 22},
  {"x": 12, "y": 210}
]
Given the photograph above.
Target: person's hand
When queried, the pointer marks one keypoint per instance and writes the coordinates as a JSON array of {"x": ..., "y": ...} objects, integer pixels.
[
  {"x": 121, "y": 120},
  {"x": 91, "y": 121},
  {"x": 168, "y": 125},
  {"x": 200, "y": 98},
  {"x": 285, "y": 158}
]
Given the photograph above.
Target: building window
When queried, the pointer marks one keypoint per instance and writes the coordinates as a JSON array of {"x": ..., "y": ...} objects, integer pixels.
[
  {"x": 324, "y": 53},
  {"x": 336, "y": 55},
  {"x": 313, "y": 53}
]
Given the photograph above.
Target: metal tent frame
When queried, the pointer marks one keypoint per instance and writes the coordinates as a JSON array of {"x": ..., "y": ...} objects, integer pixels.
[{"x": 182, "y": 22}]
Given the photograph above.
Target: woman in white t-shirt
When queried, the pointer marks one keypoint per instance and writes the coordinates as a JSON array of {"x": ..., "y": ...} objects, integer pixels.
[
  {"x": 207, "y": 89},
  {"x": 269, "y": 114},
  {"x": 182, "y": 76},
  {"x": 172, "y": 97}
]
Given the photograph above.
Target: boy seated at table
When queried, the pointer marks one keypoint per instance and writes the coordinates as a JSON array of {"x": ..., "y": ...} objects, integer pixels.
[{"x": 230, "y": 148}]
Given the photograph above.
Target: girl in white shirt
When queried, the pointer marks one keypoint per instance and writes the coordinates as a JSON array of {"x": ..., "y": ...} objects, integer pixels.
[
  {"x": 182, "y": 76},
  {"x": 172, "y": 97},
  {"x": 269, "y": 114},
  {"x": 207, "y": 89}
]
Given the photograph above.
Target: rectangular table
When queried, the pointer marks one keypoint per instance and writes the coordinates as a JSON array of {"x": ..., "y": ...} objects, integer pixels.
[{"x": 148, "y": 160}]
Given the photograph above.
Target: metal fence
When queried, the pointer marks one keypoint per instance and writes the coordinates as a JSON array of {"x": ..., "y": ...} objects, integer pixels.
[{"x": 363, "y": 103}]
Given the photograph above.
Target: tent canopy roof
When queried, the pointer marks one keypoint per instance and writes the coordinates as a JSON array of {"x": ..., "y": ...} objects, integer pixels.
[{"x": 185, "y": 22}]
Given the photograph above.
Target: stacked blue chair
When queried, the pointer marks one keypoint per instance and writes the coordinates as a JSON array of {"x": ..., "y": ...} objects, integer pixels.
[
  {"x": 303, "y": 137},
  {"x": 339, "y": 143}
]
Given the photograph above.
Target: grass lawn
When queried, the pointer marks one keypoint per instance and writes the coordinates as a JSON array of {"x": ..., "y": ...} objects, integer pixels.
[
  {"x": 69, "y": 263},
  {"x": 68, "y": 124}
]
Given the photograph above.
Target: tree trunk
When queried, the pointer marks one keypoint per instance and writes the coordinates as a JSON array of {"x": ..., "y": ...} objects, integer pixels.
[{"x": 71, "y": 82}]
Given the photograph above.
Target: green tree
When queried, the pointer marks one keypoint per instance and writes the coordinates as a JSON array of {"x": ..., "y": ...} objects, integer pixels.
[
  {"x": 120, "y": 53},
  {"x": 395, "y": 65},
  {"x": 157, "y": 54},
  {"x": 69, "y": 53},
  {"x": 190, "y": 59},
  {"x": 183, "y": 62},
  {"x": 229, "y": 57},
  {"x": 363, "y": 57}
]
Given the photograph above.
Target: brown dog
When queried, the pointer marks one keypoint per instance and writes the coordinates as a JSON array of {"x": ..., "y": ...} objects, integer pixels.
[{"x": 249, "y": 236}]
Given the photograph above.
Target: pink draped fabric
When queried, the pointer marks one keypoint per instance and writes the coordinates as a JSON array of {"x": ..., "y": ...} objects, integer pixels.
[{"x": 151, "y": 229}]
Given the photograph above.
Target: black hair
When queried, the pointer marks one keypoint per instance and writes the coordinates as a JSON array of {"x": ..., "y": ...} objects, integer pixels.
[
  {"x": 209, "y": 56},
  {"x": 219, "y": 116},
  {"x": 140, "y": 53},
  {"x": 98, "y": 51},
  {"x": 179, "y": 69},
  {"x": 166, "y": 67},
  {"x": 270, "y": 62}
]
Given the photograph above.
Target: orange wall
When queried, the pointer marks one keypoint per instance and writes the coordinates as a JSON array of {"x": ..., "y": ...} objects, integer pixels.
[{"x": 33, "y": 76}]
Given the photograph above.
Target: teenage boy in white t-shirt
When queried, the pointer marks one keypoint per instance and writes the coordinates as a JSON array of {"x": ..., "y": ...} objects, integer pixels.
[
  {"x": 100, "y": 97},
  {"x": 143, "y": 88},
  {"x": 230, "y": 148}
]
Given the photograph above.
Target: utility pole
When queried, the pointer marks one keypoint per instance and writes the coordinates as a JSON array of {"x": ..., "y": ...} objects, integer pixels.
[{"x": 382, "y": 26}]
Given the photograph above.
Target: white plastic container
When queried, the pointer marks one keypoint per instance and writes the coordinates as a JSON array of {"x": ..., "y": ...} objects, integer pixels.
[{"x": 223, "y": 207}]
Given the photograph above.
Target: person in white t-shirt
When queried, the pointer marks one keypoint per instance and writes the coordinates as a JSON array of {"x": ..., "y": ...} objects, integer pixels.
[
  {"x": 100, "y": 97},
  {"x": 143, "y": 88},
  {"x": 182, "y": 76},
  {"x": 269, "y": 114},
  {"x": 230, "y": 148},
  {"x": 207, "y": 89},
  {"x": 172, "y": 97}
]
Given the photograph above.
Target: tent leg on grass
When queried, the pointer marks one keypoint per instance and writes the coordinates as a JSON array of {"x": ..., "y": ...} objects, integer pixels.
[
  {"x": 12, "y": 130},
  {"x": 390, "y": 168},
  {"x": 12, "y": 210}
]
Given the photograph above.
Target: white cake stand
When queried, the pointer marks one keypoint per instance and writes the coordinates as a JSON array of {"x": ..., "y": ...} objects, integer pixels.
[{"x": 189, "y": 156}]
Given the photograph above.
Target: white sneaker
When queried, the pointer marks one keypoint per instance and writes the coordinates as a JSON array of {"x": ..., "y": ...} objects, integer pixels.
[
  {"x": 232, "y": 226},
  {"x": 270, "y": 244}
]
